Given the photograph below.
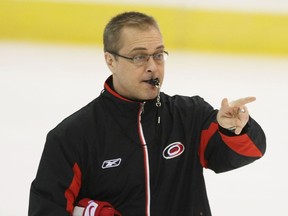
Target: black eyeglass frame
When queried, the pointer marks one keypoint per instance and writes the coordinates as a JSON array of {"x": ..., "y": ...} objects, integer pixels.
[{"x": 133, "y": 58}]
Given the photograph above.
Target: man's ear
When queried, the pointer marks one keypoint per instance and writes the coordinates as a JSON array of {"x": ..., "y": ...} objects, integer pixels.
[{"x": 110, "y": 60}]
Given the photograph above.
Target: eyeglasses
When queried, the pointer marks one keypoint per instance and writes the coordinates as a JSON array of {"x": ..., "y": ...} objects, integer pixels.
[{"x": 141, "y": 59}]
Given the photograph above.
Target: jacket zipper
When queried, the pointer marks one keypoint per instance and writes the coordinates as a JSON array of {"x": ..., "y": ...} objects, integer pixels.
[{"x": 146, "y": 159}]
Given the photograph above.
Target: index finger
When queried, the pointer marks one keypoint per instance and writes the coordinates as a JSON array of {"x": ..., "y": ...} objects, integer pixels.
[{"x": 242, "y": 101}]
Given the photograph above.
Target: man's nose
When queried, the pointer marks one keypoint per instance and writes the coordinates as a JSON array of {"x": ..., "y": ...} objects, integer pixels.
[{"x": 151, "y": 65}]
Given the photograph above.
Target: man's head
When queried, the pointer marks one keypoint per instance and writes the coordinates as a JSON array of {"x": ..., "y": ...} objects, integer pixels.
[
  {"x": 134, "y": 52},
  {"x": 112, "y": 31}
]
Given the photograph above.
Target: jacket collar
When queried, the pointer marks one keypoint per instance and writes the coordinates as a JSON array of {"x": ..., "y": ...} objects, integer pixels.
[{"x": 108, "y": 87}]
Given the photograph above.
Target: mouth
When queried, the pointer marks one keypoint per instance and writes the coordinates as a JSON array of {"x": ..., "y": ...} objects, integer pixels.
[{"x": 154, "y": 82}]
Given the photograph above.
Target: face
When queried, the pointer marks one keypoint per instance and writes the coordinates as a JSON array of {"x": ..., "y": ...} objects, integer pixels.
[{"x": 130, "y": 80}]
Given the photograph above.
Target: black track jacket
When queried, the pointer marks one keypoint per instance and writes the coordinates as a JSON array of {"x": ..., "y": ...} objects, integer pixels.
[{"x": 143, "y": 159}]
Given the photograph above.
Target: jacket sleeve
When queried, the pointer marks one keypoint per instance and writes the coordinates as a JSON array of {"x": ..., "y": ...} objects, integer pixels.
[
  {"x": 58, "y": 180},
  {"x": 222, "y": 150}
]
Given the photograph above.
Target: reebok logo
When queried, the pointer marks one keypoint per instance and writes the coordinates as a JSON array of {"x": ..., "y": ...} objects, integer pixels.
[{"x": 111, "y": 163}]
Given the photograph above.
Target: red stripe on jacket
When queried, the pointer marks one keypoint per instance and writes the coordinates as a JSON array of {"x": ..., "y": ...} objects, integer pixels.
[
  {"x": 72, "y": 192},
  {"x": 205, "y": 137},
  {"x": 241, "y": 144}
]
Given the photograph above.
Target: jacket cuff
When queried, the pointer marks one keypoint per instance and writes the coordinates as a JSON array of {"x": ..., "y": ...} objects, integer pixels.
[{"x": 228, "y": 132}]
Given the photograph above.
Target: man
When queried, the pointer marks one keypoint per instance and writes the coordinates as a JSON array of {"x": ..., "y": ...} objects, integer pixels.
[{"x": 135, "y": 150}]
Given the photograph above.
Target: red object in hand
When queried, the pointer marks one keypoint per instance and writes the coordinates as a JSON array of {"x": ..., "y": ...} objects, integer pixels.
[{"x": 97, "y": 208}]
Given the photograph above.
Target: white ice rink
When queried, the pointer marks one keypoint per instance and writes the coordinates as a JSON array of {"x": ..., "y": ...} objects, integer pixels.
[{"x": 42, "y": 84}]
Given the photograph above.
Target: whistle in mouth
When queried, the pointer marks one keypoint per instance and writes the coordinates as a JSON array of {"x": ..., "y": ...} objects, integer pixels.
[{"x": 154, "y": 82}]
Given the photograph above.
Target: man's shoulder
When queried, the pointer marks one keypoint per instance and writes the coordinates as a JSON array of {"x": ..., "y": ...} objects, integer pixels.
[
  {"x": 183, "y": 99},
  {"x": 79, "y": 120}
]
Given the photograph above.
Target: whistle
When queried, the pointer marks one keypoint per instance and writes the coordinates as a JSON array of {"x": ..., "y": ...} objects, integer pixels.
[{"x": 154, "y": 82}]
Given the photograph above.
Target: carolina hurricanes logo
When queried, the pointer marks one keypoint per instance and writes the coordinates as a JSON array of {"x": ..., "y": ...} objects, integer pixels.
[{"x": 173, "y": 150}]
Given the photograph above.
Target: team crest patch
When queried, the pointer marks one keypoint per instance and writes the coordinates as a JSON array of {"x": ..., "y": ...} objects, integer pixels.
[
  {"x": 111, "y": 163},
  {"x": 173, "y": 150}
]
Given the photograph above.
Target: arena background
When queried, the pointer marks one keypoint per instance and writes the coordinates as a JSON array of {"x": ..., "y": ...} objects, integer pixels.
[
  {"x": 51, "y": 64},
  {"x": 186, "y": 25}
]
